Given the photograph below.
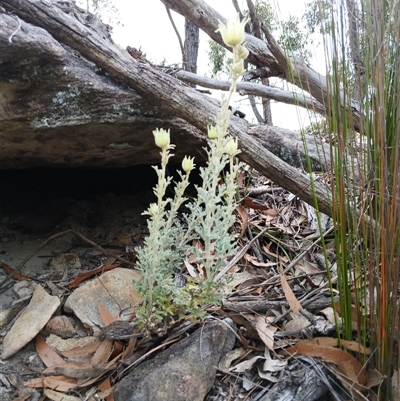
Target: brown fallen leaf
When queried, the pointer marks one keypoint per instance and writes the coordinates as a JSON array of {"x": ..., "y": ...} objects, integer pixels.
[
  {"x": 334, "y": 342},
  {"x": 358, "y": 392},
  {"x": 245, "y": 219},
  {"x": 12, "y": 273},
  {"x": 102, "y": 354},
  {"x": 57, "y": 396},
  {"x": 117, "y": 349},
  {"x": 333, "y": 355},
  {"x": 48, "y": 356},
  {"x": 293, "y": 302},
  {"x": 253, "y": 260},
  {"x": 61, "y": 383},
  {"x": 106, "y": 390},
  {"x": 105, "y": 315},
  {"x": 254, "y": 204},
  {"x": 84, "y": 276},
  {"x": 354, "y": 311},
  {"x": 128, "y": 351},
  {"x": 82, "y": 351},
  {"x": 78, "y": 370},
  {"x": 125, "y": 239},
  {"x": 108, "y": 366}
]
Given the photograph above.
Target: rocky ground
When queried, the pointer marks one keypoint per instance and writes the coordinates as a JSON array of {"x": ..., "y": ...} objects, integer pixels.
[{"x": 66, "y": 330}]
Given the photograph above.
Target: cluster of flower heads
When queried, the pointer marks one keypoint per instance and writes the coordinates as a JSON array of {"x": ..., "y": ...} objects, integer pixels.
[{"x": 210, "y": 219}]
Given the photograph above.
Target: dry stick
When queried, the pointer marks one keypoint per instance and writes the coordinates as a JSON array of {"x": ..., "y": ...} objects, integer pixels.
[
  {"x": 239, "y": 255},
  {"x": 255, "y": 247},
  {"x": 302, "y": 254},
  {"x": 276, "y": 50}
]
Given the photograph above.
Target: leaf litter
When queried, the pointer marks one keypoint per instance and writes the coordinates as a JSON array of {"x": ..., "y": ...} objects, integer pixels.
[{"x": 279, "y": 299}]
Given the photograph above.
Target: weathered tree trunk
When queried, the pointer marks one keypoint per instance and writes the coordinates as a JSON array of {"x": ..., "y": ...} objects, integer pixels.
[
  {"x": 164, "y": 90},
  {"x": 266, "y": 102},
  {"x": 192, "y": 41}
]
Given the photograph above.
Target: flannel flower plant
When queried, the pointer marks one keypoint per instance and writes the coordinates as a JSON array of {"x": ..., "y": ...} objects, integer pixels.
[{"x": 209, "y": 221}]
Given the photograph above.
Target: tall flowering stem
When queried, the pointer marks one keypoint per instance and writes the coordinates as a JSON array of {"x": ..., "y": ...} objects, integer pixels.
[
  {"x": 209, "y": 222},
  {"x": 217, "y": 217}
]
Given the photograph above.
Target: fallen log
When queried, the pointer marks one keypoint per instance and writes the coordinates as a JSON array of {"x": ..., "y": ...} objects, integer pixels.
[{"x": 73, "y": 30}]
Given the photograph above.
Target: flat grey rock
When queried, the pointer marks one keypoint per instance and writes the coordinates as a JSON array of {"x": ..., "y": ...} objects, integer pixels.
[
  {"x": 114, "y": 290},
  {"x": 185, "y": 371}
]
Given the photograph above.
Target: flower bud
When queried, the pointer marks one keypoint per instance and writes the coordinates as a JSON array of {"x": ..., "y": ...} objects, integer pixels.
[
  {"x": 152, "y": 210},
  {"x": 233, "y": 32},
  {"x": 243, "y": 53},
  {"x": 212, "y": 133},
  {"x": 231, "y": 147},
  {"x": 161, "y": 137},
  {"x": 187, "y": 164},
  {"x": 238, "y": 68}
]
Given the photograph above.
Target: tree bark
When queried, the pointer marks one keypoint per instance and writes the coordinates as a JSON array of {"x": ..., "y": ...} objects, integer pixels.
[
  {"x": 266, "y": 102},
  {"x": 192, "y": 41}
]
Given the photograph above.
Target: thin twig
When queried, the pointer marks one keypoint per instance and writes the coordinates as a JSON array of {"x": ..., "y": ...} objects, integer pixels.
[
  {"x": 184, "y": 61},
  {"x": 302, "y": 254},
  {"x": 147, "y": 354},
  {"x": 276, "y": 50},
  {"x": 238, "y": 256},
  {"x": 19, "y": 27}
]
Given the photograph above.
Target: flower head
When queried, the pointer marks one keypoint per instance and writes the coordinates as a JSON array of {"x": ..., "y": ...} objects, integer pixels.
[
  {"x": 212, "y": 132},
  {"x": 152, "y": 210},
  {"x": 233, "y": 32},
  {"x": 243, "y": 53},
  {"x": 238, "y": 68},
  {"x": 162, "y": 138},
  {"x": 231, "y": 147},
  {"x": 187, "y": 164}
]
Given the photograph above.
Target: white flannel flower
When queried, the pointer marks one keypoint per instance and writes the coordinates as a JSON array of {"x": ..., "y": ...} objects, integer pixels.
[
  {"x": 233, "y": 32},
  {"x": 162, "y": 138},
  {"x": 188, "y": 164}
]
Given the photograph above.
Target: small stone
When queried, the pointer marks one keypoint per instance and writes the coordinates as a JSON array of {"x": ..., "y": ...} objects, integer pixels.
[
  {"x": 65, "y": 261},
  {"x": 24, "y": 289},
  {"x": 60, "y": 326}
]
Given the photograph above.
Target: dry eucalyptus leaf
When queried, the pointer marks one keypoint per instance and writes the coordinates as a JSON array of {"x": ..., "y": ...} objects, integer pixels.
[
  {"x": 226, "y": 361},
  {"x": 273, "y": 365},
  {"x": 266, "y": 331},
  {"x": 245, "y": 365}
]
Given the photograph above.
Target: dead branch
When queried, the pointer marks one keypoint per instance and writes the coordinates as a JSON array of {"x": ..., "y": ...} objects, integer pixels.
[{"x": 247, "y": 88}]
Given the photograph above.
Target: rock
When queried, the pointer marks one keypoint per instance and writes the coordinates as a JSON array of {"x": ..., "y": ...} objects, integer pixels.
[
  {"x": 114, "y": 290},
  {"x": 60, "y": 326},
  {"x": 24, "y": 288},
  {"x": 65, "y": 261},
  {"x": 185, "y": 371},
  {"x": 59, "y": 344},
  {"x": 57, "y": 110},
  {"x": 30, "y": 322}
]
